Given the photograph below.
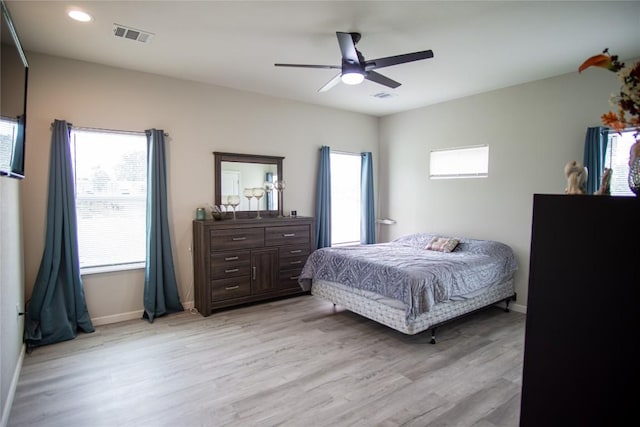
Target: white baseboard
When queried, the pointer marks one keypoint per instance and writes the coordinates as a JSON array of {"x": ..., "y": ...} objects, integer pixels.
[
  {"x": 518, "y": 307},
  {"x": 131, "y": 315},
  {"x": 12, "y": 388},
  {"x": 115, "y": 318}
]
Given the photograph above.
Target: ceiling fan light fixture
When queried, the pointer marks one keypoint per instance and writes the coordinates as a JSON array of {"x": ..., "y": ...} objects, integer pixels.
[{"x": 352, "y": 78}]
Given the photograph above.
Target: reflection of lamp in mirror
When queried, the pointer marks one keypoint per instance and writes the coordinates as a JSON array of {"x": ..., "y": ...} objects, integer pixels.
[
  {"x": 258, "y": 192},
  {"x": 279, "y": 186},
  {"x": 268, "y": 189},
  {"x": 234, "y": 201},
  {"x": 248, "y": 193}
]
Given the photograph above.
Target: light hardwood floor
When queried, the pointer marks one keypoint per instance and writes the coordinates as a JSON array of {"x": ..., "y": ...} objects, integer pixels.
[{"x": 292, "y": 362}]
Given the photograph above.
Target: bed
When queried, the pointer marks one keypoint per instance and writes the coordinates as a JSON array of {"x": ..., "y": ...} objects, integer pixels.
[{"x": 413, "y": 283}]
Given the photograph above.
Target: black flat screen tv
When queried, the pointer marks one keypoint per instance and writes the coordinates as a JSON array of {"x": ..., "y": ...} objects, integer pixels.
[{"x": 14, "y": 72}]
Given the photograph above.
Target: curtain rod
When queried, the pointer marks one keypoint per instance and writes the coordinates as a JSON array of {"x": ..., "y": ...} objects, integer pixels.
[
  {"x": 344, "y": 152},
  {"x": 131, "y": 132}
]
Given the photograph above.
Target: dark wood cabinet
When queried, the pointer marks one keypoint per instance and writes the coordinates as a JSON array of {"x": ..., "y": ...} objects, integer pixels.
[
  {"x": 579, "y": 366},
  {"x": 264, "y": 271},
  {"x": 246, "y": 260}
]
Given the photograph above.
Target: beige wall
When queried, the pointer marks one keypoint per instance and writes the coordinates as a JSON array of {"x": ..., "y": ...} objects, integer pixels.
[
  {"x": 200, "y": 119},
  {"x": 532, "y": 130}
]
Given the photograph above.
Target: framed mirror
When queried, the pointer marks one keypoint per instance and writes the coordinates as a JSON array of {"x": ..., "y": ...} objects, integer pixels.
[{"x": 244, "y": 175}]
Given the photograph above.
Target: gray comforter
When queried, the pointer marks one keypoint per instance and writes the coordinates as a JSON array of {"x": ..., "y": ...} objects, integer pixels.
[{"x": 404, "y": 270}]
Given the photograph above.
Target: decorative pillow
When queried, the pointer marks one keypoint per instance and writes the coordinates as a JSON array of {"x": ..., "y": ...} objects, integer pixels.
[{"x": 442, "y": 244}]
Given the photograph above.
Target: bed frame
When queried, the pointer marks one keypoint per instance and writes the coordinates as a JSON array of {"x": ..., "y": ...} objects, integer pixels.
[{"x": 392, "y": 313}]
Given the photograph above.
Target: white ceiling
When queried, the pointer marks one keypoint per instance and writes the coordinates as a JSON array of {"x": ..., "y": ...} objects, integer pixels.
[{"x": 478, "y": 45}]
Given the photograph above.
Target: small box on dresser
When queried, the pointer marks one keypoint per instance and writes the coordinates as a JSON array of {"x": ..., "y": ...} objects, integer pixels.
[{"x": 247, "y": 260}]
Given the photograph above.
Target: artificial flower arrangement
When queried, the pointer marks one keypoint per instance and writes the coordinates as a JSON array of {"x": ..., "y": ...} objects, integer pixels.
[{"x": 627, "y": 102}]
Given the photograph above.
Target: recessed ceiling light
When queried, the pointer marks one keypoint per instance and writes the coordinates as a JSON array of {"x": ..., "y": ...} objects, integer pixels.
[{"x": 79, "y": 15}]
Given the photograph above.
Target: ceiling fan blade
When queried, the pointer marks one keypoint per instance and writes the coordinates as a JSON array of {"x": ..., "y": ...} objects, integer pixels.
[
  {"x": 347, "y": 47},
  {"x": 333, "y": 67},
  {"x": 398, "y": 59},
  {"x": 383, "y": 80},
  {"x": 331, "y": 83}
]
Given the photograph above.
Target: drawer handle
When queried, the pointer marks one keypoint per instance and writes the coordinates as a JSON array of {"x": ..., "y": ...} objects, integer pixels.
[
  {"x": 231, "y": 288},
  {"x": 297, "y": 251},
  {"x": 295, "y": 262},
  {"x": 231, "y": 258},
  {"x": 253, "y": 269},
  {"x": 237, "y": 239},
  {"x": 231, "y": 270},
  {"x": 288, "y": 234},
  {"x": 294, "y": 277}
]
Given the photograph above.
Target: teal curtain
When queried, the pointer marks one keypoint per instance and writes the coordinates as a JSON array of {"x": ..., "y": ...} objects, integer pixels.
[
  {"x": 160, "y": 286},
  {"x": 595, "y": 147},
  {"x": 57, "y": 309},
  {"x": 367, "y": 218},
  {"x": 323, "y": 200}
]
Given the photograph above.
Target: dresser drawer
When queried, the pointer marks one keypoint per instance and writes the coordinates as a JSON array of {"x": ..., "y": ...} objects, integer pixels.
[
  {"x": 287, "y": 235},
  {"x": 230, "y": 288},
  {"x": 293, "y": 256},
  {"x": 230, "y": 264},
  {"x": 237, "y": 238},
  {"x": 289, "y": 279}
]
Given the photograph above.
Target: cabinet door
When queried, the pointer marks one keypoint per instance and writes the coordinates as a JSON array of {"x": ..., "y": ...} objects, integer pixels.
[{"x": 264, "y": 270}]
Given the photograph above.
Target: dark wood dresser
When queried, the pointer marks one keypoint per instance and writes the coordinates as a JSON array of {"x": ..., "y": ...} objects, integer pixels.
[
  {"x": 247, "y": 260},
  {"x": 579, "y": 363}
]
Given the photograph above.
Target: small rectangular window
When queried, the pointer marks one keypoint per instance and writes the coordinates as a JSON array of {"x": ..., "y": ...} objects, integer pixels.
[
  {"x": 461, "y": 162},
  {"x": 110, "y": 171}
]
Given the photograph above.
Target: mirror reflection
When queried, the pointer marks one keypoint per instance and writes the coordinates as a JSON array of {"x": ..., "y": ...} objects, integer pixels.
[
  {"x": 238, "y": 177},
  {"x": 246, "y": 184}
]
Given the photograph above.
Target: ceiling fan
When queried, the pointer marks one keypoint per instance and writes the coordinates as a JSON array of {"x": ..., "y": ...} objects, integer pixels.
[{"x": 354, "y": 69}]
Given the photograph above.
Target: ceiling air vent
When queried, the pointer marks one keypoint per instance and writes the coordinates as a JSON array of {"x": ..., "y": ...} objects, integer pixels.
[
  {"x": 383, "y": 95},
  {"x": 132, "y": 33}
]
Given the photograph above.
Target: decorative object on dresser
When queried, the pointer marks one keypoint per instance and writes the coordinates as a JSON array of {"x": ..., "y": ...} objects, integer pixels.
[
  {"x": 216, "y": 212},
  {"x": 576, "y": 177},
  {"x": 248, "y": 193},
  {"x": 234, "y": 202},
  {"x": 243, "y": 261},
  {"x": 605, "y": 183},
  {"x": 258, "y": 193},
  {"x": 634, "y": 168},
  {"x": 627, "y": 103},
  {"x": 279, "y": 186}
]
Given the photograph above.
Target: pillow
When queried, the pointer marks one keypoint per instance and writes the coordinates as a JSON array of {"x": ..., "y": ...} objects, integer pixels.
[{"x": 442, "y": 244}]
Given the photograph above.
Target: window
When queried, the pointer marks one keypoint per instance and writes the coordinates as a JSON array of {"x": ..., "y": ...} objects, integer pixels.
[
  {"x": 617, "y": 159},
  {"x": 8, "y": 131},
  {"x": 110, "y": 170},
  {"x": 345, "y": 198},
  {"x": 462, "y": 162}
]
